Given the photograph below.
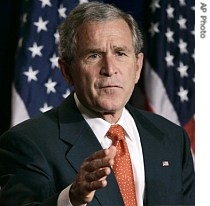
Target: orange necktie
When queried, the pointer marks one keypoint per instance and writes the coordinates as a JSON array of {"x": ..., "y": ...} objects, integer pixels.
[{"x": 122, "y": 166}]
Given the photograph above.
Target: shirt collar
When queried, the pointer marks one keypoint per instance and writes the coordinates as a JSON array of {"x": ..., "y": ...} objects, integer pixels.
[{"x": 99, "y": 125}]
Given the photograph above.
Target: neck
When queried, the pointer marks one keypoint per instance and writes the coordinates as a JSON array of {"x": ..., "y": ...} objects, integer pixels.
[{"x": 111, "y": 117}]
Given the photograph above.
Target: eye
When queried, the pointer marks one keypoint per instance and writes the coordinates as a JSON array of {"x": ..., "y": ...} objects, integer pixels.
[
  {"x": 120, "y": 53},
  {"x": 93, "y": 56}
]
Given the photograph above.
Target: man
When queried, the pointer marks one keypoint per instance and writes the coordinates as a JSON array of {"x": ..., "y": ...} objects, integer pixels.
[{"x": 65, "y": 156}]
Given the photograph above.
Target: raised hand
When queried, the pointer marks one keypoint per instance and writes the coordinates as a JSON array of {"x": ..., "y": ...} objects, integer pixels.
[{"x": 92, "y": 176}]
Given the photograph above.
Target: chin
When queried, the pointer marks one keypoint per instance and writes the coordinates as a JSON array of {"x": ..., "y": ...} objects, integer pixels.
[{"x": 110, "y": 106}]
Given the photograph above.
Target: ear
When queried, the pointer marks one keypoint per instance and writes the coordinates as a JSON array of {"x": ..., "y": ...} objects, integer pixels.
[
  {"x": 139, "y": 64},
  {"x": 65, "y": 70}
]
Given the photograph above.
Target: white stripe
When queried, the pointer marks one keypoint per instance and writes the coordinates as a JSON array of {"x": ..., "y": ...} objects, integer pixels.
[
  {"x": 157, "y": 96},
  {"x": 19, "y": 111}
]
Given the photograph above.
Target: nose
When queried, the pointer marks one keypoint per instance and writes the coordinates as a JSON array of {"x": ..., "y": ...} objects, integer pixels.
[{"x": 108, "y": 67}]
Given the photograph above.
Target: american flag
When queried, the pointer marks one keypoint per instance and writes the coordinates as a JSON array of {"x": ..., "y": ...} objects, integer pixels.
[
  {"x": 38, "y": 84},
  {"x": 169, "y": 73},
  {"x": 169, "y": 67}
]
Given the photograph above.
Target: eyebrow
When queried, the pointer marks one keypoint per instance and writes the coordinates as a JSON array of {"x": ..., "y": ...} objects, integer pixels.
[
  {"x": 99, "y": 50},
  {"x": 121, "y": 48}
]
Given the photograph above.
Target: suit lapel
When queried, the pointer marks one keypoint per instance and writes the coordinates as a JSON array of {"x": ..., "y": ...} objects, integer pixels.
[
  {"x": 154, "y": 148},
  {"x": 82, "y": 141},
  {"x": 152, "y": 138}
]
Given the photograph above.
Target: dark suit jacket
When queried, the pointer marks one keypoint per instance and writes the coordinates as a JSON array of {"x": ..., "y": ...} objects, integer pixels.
[{"x": 40, "y": 157}]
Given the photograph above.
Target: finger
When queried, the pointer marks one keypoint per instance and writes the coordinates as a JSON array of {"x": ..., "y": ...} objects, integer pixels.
[
  {"x": 97, "y": 155},
  {"x": 98, "y": 174},
  {"x": 97, "y": 164},
  {"x": 100, "y": 159},
  {"x": 109, "y": 153},
  {"x": 95, "y": 185}
]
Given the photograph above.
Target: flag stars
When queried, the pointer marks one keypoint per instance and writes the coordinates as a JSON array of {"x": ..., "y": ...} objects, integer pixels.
[
  {"x": 155, "y": 5},
  {"x": 182, "y": 22},
  {"x": 182, "y": 46},
  {"x": 24, "y": 18},
  {"x": 46, "y": 3},
  {"x": 193, "y": 32},
  {"x": 62, "y": 11},
  {"x": 182, "y": 3},
  {"x": 20, "y": 42},
  {"x": 35, "y": 50},
  {"x": 169, "y": 35},
  {"x": 170, "y": 11},
  {"x": 56, "y": 36},
  {"x": 54, "y": 61},
  {"x": 183, "y": 94},
  {"x": 183, "y": 70},
  {"x": 45, "y": 107},
  {"x": 154, "y": 29},
  {"x": 66, "y": 94},
  {"x": 50, "y": 85},
  {"x": 193, "y": 55},
  {"x": 169, "y": 59},
  {"x": 41, "y": 25},
  {"x": 31, "y": 74},
  {"x": 83, "y": 1}
]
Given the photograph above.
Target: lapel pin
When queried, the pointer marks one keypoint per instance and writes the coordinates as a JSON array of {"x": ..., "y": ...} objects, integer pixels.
[{"x": 165, "y": 163}]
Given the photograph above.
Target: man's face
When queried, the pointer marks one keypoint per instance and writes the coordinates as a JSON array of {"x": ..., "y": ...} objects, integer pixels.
[{"x": 105, "y": 68}]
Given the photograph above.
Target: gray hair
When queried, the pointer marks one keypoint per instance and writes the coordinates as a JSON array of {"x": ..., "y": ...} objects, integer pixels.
[{"x": 92, "y": 12}]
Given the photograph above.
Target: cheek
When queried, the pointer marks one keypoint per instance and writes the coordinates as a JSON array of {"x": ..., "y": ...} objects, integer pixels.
[
  {"x": 84, "y": 81},
  {"x": 132, "y": 75}
]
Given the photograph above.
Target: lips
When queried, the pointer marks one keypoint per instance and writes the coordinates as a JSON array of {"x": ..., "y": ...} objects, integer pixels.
[{"x": 109, "y": 84}]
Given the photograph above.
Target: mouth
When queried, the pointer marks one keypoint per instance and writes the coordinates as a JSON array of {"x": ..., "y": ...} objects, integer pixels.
[
  {"x": 110, "y": 87},
  {"x": 107, "y": 86},
  {"x": 110, "y": 84}
]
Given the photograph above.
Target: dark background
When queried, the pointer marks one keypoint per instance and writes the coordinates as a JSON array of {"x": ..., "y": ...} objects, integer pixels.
[{"x": 9, "y": 17}]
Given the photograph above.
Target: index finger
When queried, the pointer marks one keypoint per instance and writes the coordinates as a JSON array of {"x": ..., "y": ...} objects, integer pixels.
[{"x": 105, "y": 153}]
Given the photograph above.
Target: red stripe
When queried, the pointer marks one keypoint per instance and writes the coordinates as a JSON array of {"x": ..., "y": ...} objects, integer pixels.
[{"x": 190, "y": 128}]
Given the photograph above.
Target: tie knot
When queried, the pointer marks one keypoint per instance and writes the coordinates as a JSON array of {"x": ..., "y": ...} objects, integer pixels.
[{"x": 116, "y": 132}]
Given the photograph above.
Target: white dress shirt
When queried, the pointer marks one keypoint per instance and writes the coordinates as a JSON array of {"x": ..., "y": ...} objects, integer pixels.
[{"x": 100, "y": 128}]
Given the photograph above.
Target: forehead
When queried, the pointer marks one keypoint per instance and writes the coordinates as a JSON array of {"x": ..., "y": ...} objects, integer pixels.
[{"x": 98, "y": 32}]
